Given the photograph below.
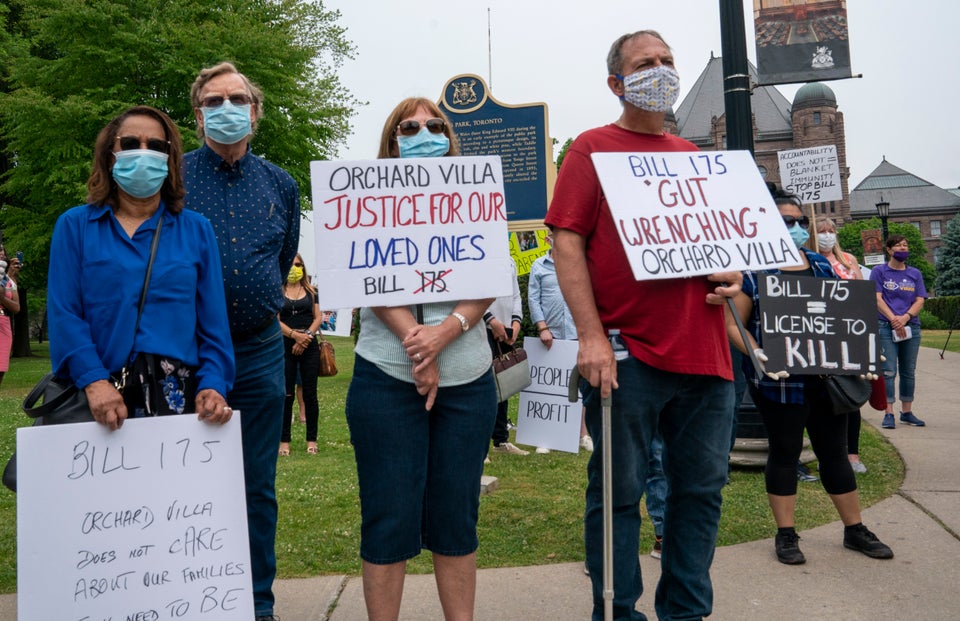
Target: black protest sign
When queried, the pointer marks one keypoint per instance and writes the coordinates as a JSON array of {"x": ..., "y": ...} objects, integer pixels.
[{"x": 818, "y": 326}]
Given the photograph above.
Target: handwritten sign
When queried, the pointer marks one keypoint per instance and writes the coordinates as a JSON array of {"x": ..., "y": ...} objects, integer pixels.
[
  {"x": 147, "y": 522},
  {"x": 526, "y": 247},
  {"x": 813, "y": 173},
  {"x": 818, "y": 326},
  {"x": 545, "y": 416},
  {"x": 688, "y": 214},
  {"x": 409, "y": 231},
  {"x": 336, "y": 322}
]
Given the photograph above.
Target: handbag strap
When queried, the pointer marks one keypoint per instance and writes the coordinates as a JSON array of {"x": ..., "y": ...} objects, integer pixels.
[
  {"x": 29, "y": 402},
  {"x": 146, "y": 277}
]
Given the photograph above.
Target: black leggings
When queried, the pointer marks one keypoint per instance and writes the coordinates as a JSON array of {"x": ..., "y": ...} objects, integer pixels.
[
  {"x": 828, "y": 438},
  {"x": 308, "y": 364}
]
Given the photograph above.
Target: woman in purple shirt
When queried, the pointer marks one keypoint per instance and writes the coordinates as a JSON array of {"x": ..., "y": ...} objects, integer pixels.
[{"x": 900, "y": 296}]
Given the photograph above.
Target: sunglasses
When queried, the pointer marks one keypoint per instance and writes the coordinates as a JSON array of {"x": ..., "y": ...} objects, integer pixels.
[
  {"x": 128, "y": 143},
  {"x": 790, "y": 221},
  {"x": 412, "y": 128},
  {"x": 215, "y": 101},
  {"x": 298, "y": 264}
]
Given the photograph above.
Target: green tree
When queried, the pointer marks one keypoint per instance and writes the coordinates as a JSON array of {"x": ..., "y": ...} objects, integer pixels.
[
  {"x": 848, "y": 236},
  {"x": 563, "y": 151},
  {"x": 68, "y": 66},
  {"x": 948, "y": 263}
]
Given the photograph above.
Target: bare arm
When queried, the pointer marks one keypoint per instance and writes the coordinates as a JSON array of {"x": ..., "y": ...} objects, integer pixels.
[{"x": 595, "y": 356}]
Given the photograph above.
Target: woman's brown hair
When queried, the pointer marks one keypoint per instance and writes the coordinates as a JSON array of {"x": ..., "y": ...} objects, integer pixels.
[
  {"x": 101, "y": 187},
  {"x": 407, "y": 107}
]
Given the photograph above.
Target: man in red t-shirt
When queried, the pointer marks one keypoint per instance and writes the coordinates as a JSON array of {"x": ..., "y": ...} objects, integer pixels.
[{"x": 677, "y": 376}]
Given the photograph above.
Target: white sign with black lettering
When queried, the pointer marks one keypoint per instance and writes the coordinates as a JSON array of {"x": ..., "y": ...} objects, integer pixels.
[
  {"x": 818, "y": 326},
  {"x": 813, "y": 173},
  {"x": 545, "y": 416},
  {"x": 147, "y": 522}
]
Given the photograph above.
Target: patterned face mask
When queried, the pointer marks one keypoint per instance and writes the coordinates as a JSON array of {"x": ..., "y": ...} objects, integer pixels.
[{"x": 655, "y": 89}]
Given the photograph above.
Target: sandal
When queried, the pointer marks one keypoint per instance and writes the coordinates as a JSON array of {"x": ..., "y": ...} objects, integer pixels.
[
  {"x": 312, "y": 449},
  {"x": 284, "y": 449}
]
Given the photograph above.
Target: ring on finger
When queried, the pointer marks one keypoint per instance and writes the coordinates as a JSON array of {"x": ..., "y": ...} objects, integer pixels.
[{"x": 418, "y": 357}]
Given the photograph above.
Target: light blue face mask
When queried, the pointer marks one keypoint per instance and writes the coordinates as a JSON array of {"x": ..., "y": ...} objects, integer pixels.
[
  {"x": 423, "y": 144},
  {"x": 799, "y": 235},
  {"x": 227, "y": 123},
  {"x": 140, "y": 172}
]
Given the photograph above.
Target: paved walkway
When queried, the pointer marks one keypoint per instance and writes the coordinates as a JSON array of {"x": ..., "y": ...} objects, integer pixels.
[{"x": 921, "y": 523}]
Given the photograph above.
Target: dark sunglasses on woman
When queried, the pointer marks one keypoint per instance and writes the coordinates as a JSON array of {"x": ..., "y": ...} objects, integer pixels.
[{"x": 412, "y": 128}]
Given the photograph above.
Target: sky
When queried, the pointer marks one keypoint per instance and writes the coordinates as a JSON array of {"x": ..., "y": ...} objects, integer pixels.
[{"x": 904, "y": 107}]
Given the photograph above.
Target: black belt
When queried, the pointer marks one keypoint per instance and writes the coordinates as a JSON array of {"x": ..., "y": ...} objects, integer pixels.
[{"x": 242, "y": 335}]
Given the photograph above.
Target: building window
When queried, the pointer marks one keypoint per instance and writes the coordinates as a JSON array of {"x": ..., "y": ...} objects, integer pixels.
[
  {"x": 935, "y": 228},
  {"x": 936, "y": 255},
  {"x": 816, "y": 118},
  {"x": 723, "y": 141},
  {"x": 833, "y": 206},
  {"x": 916, "y": 223}
]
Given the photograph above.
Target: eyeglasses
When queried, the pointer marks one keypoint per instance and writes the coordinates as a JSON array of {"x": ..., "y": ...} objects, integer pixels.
[
  {"x": 128, "y": 143},
  {"x": 790, "y": 221},
  {"x": 215, "y": 101},
  {"x": 411, "y": 128}
]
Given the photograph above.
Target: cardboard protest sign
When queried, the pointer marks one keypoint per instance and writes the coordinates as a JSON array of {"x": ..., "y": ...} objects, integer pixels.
[
  {"x": 813, "y": 173},
  {"x": 408, "y": 231},
  {"x": 146, "y": 522},
  {"x": 693, "y": 213},
  {"x": 526, "y": 247},
  {"x": 545, "y": 416},
  {"x": 818, "y": 326},
  {"x": 336, "y": 322}
]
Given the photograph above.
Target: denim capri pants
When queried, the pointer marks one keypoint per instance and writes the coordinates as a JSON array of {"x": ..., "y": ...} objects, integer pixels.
[{"x": 419, "y": 471}]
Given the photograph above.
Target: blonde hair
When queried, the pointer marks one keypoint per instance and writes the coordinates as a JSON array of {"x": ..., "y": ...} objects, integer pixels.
[{"x": 836, "y": 251}]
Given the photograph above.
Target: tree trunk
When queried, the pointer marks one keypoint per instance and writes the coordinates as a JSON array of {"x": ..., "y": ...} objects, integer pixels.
[{"x": 21, "y": 329}]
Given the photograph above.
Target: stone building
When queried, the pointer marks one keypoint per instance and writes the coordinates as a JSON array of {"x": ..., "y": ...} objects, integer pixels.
[
  {"x": 912, "y": 201},
  {"x": 812, "y": 119}
]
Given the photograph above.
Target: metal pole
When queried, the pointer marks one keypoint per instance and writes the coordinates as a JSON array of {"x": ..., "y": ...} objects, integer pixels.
[
  {"x": 607, "y": 511},
  {"x": 736, "y": 76}
]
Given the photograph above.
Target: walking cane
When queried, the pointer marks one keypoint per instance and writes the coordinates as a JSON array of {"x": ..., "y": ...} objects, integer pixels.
[
  {"x": 606, "y": 441},
  {"x": 952, "y": 325}
]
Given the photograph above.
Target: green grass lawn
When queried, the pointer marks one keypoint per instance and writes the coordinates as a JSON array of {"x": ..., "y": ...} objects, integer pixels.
[{"x": 534, "y": 517}]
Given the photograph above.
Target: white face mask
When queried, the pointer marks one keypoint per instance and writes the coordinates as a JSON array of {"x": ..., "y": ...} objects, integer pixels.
[
  {"x": 827, "y": 241},
  {"x": 655, "y": 89}
]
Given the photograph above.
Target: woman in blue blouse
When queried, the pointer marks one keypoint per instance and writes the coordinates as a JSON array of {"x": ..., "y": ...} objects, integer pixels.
[
  {"x": 98, "y": 258},
  {"x": 788, "y": 405}
]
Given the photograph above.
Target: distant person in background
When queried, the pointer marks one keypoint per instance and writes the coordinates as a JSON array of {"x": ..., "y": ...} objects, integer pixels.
[
  {"x": 503, "y": 320},
  {"x": 9, "y": 306},
  {"x": 299, "y": 322},
  {"x": 900, "y": 297},
  {"x": 550, "y": 314},
  {"x": 845, "y": 265}
]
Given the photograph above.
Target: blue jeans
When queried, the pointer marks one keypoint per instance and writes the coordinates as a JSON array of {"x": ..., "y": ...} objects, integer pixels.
[
  {"x": 418, "y": 471},
  {"x": 258, "y": 393},
  {"x": 902, "y": 356},
  {"x": 656, "y": 492},
  {"x": 694, "y": 418}
]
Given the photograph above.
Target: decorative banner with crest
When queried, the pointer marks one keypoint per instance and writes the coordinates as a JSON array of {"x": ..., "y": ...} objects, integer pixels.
[{"x": 801, "y": 40}]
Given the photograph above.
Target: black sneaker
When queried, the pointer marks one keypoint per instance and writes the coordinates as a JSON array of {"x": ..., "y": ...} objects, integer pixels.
[
  {"x": 788, "y": 550},
  {"x": 859, "y": 538}
]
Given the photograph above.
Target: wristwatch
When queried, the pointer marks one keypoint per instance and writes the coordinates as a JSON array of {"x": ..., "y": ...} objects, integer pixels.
[{"x": 464, "y": 324}]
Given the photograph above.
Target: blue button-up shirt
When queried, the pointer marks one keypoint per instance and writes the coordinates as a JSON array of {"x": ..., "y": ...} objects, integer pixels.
[
  {"x": 93, "y": 292},
  {"x": 545, "y": 300},
  {"x": 788, "y": 390},
  {"x": 254, "y": 207}
]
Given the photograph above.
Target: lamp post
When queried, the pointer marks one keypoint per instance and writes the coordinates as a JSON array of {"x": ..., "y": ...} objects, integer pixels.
[{"x": 883, "y": 210}]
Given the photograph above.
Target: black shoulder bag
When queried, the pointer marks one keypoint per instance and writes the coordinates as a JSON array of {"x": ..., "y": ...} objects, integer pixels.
[{"x": 61, "y": 402}]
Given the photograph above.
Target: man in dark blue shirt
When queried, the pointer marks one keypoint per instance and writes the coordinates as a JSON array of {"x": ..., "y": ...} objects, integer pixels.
[{"x": 254, "y": 207}]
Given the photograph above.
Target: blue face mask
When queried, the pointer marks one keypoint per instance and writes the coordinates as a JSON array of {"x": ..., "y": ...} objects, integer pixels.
[
  {"x": 799, "y": 235},
  {"x": 227, "y": 123},
  {"x": 140, "y": 172},
  {"x": 423, "y": 144}
]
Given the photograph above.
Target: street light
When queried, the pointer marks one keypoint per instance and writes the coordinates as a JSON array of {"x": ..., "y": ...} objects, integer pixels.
[{"x": 883, "y": 210}]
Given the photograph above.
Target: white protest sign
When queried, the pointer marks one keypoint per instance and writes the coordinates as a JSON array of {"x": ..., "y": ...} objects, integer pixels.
[
  {"x": 813, "y": 173},
  {"x": 545, "y": 416},
  {"x": 147, "y": 522},
  {"x": 693, "y": 213},
  {"x": 336, "y": 322},
  {"x": 407, "y": 231}
]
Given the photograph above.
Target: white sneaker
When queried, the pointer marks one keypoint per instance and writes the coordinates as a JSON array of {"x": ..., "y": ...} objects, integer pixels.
[
  {"x": 586, "y": 443},
  {"x": 542, "y": 450},
  {"x": 507, "y": 447}
]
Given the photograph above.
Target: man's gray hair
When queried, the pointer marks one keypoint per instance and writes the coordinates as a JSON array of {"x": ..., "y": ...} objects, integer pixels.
[{"x": 615, "y": 57}]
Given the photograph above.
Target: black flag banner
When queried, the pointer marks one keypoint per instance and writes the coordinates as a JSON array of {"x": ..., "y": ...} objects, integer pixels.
[{"x": 801, "y": 40}]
